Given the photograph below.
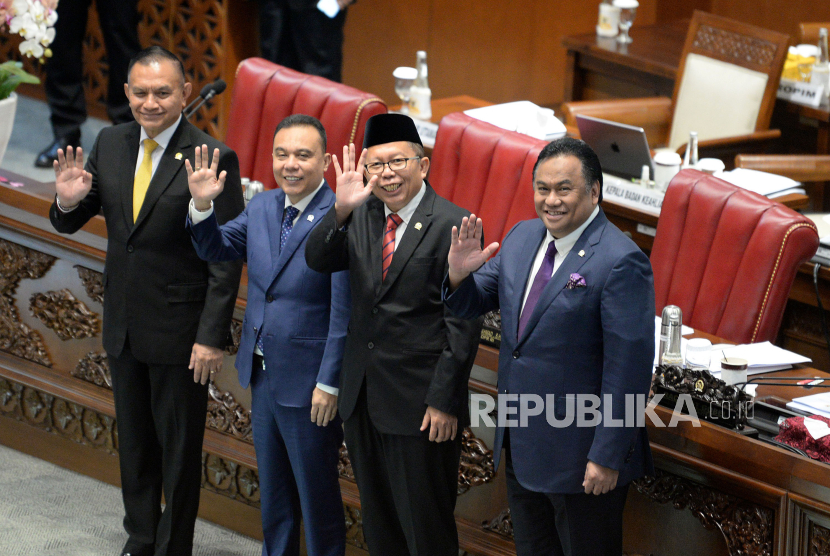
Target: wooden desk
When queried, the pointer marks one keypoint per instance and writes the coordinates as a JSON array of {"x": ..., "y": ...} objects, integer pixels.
[{"x": 600, "y": 68}]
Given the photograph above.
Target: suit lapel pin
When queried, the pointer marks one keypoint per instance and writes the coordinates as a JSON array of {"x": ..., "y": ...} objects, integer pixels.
[
  {"x": 310, "y": 218},
  {"x": 178, "y": 156},
  {"x": 582, "y": 253},
  {"x": 418, "y": 226}
]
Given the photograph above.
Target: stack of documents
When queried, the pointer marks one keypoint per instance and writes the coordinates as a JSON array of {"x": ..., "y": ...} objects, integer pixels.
[
  {"x": 763, "y": 183},
  {"x": 763, "y": 357},
  {"x": 522, "y": 116},
  {"x": 817, "y": 404}
]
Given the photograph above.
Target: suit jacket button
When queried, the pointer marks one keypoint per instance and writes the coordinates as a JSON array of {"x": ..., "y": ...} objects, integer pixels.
[
  {"x": 130, "y": 249},
  {"x": 516, "y": 354},
  {"x": 374, "y": 310},
  {"x": 371, "y": 345},
  {"x": 269, "y": 299}
]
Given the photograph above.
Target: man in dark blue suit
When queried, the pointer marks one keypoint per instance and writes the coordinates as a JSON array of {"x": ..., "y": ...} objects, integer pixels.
[
  {"x": 292, "y": 336},
  {"x": 577, "y": 313}
]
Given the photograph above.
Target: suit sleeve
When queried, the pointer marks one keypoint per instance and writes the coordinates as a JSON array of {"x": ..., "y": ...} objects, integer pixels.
[
  {"x": 327, "y": 248},
  {"x": 223, "y": 277},
  {"x": 627, "y": 310},
  {"x": 72, "y": 221},
  {"x": 214, "y": 243},
  {"x": 329, "y": 373},
  {"x": 478, "y": 294},
  {"x": 453, "y": 369}
]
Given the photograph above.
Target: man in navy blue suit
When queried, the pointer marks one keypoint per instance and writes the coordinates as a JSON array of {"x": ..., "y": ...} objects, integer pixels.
[
  {"x": 577, "y": 313},
  {"x": 293, "y": 336}
]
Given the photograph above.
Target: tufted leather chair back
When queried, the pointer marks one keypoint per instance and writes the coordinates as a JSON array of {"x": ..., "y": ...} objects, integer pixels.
[
  {"x": 727, "y": 257},
  {"x": 264, "y": 93},
  {"x": 486, "y": 170}
]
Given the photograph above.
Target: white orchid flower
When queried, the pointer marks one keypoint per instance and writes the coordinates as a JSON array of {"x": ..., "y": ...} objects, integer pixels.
[{"x": 31, "y": 48}]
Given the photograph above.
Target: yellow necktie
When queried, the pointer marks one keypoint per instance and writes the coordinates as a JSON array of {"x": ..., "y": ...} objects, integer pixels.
[{"x": 143, "y": 176}]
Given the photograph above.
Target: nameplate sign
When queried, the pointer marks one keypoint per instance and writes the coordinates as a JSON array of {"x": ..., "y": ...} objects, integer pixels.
[
  {"x": 632, "y": 195},
  {"x": 800, "y": 92}
]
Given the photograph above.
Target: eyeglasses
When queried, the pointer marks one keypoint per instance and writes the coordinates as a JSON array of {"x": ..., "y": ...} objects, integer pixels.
[{"x": 396, "y": 165}]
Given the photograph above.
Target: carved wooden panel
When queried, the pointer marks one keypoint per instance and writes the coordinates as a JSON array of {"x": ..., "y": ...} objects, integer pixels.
[
  {"x": 227, "y": 416},
  {"x": 354, "y": 527},
  {"x": 501, "y": 524},
  {"x": 57, "y": 416},
  {"x": 16, "y": 263},
  {"x": 735, "y": 47},
  {"x": 93, "y": 282},
  {"x": 230, "y": 479},
  {"x": 476, "y": 465},
  {"x": 747, "y": 528},
  {"x": 95, "y": 369},
  {"x": 63, "y": 313},
  {"x": 344, "y": 464},
  {"x": 191, "y": 29},
  {"x": 819, "y": 540},
  {"x": 236, "y": 335}
]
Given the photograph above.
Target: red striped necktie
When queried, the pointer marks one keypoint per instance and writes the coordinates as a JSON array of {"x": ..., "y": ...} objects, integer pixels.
[{"x": 392, "y": 223}]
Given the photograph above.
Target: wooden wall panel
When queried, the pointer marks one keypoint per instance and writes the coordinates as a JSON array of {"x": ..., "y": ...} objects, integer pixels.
[{"x": 493, "y": 50}]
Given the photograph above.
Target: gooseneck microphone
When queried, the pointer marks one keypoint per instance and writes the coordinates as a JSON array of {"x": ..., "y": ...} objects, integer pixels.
[{"x": 208, "y": 92}]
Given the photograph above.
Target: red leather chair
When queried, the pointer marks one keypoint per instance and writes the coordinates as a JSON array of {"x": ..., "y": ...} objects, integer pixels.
[
  {"x": 727, "y": 257},
  {"x": 486, "y": 170},
  {"x": 264, "y": 93}
]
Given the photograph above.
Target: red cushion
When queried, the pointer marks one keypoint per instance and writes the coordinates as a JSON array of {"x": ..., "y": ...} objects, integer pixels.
[
  {"x": 486, "y": 170},
  {"x": 266, "y": 93},
  {"x": 727, "y": 257}
]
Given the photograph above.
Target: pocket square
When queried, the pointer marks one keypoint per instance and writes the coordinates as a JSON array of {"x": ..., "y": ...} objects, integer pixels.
[{"x": 575, "y": 281}]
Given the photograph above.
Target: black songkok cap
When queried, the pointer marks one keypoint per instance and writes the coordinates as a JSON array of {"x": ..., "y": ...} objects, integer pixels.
[{"x": 390, "y": 128}]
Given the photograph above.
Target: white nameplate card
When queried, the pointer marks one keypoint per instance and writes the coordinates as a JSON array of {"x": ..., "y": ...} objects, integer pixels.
[
  {"x": 427, "y": 131},
  {"x": 632, "y": 195},
  {"x": 800, "y": 92}
]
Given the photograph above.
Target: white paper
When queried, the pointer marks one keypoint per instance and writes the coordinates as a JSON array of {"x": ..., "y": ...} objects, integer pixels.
[
  {"x": 817, "y": 429},
  {"x": 765, "y": 354},
  {"x": 522, "y": 116},
  {"x": 818, "y": 404},
  {"x": 760, "y": 182}
]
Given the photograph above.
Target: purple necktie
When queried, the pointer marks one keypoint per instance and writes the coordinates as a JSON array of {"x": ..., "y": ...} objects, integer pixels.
[{"x": 539, "y": 282}]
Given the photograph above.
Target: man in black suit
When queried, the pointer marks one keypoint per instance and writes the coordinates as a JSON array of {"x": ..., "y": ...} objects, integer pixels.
[
  {"x": 118, "y": 20},
  {"x": 166, "y": 312},
  {"x": 403, "y": 387},
  {"x": 299, "y": 35}
]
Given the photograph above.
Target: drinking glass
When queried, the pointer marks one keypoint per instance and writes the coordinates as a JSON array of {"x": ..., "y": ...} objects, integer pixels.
[
  {"x": 404, "y": 78},
  {"x": 628, "y": 9},
  {"x": 698, "y": 354}
]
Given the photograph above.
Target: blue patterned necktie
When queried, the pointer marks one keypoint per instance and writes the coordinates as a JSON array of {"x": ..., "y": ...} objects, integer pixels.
[
  {"x": 288, "y": 217},
  {"x": 287, "y": 224},
  {"x": 539, "y": 282}
]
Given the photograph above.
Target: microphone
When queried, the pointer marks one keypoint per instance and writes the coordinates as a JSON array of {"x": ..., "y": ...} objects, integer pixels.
[{"x": 208, "y": 92}]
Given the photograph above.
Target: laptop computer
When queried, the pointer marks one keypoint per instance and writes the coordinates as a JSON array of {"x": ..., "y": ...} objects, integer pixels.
[{"x": 622, "y": 149}]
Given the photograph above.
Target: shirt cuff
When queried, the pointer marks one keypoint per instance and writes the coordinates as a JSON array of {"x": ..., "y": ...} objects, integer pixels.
[
  {"x": 196, "y": 215},
  {"x": 328, "y": 389},
  {"x": 64, "y": 209}
]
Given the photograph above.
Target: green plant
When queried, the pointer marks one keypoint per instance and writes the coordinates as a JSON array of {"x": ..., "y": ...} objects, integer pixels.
[{"x": 12, "y": 74}]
